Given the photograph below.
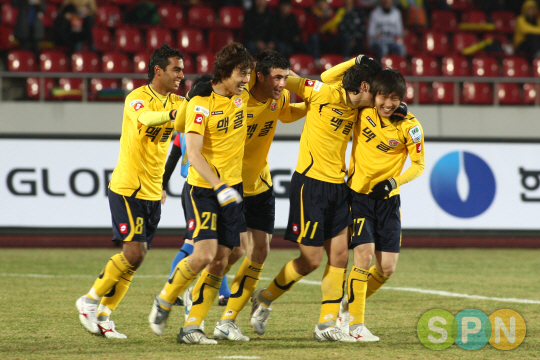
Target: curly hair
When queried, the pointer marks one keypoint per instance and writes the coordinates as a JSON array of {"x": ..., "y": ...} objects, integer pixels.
[
  {"x": 389, "y": 81},
  {"x": 268, "y": 60},
  {"x": 160, "y": 57},
  {"x": 354, "y": 76},
  {"x": 230, "y": 57}
]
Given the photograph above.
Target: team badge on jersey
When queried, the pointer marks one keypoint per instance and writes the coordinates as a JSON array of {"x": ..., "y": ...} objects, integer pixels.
[
  {"x": 295, "y": 229},
  {"x": 273, "y": 107},
  {"x": 191, "y": 224},
  {"x": 137, "y": 104},
  {"x": 309, "y": 83},
  {"x": 371, "y": 121},
  {"x": 418, "y": 148},
  {"x": 393, "y": 142},
  {"x": 238, "y": 102},
  {"x": 198, "y": 119},
  {"x": 123, "y": 228},
  {"x": 416, "y": 134}
]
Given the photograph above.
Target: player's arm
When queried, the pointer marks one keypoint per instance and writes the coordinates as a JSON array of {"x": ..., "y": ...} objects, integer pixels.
[
  {"x": 194, "y": 145},
  {"x": 180, "y": 121},
  {"x": 170, "y": 165},
  {"x": 156, "y": 118},
  {"x": 415, "y": 148},
  {"x": 293, "y": 112},
  {"x": 335, "y": 74}
]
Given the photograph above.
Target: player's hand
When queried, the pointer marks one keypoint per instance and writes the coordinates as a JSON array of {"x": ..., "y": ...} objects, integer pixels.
[
  {"x": 227, "y": 196},
  {"x": 163, "y": 197},
  {"x": 204, "y": 88},
  {"x": 400, "y": 113},
  {"x": 382, "y": 189},
  {"x": 369, "y": 62}
]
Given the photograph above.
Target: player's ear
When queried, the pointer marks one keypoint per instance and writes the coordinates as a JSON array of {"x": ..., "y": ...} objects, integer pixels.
[
  {"x": 364, "y": 86},
  {"x": 260, "y": 76}
]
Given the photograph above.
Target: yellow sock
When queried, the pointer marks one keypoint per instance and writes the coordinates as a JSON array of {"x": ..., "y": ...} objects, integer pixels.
[
  {"x": 110, "y": 301},
  {"x": 227, "y": 269},
  {"x": 332, "y": 285},
  {"x": 178, "y": 282},
  {"x": 283, "y": 282},
  {"x": 115, "y": 268},
  {"x": 204, "y": 293},
  {"x": 243, "y": 285},
  {"x": 357, "y": 284},
  {"x": 375, "y": 281}
]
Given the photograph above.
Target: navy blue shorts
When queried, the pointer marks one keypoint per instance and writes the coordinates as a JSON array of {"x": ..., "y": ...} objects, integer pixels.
[
  {"x": 260, "y": 211},
  {"x": 318, "y": 211},
  {"x": 134, "y": 219},
  {"x": 376, "y": 221},
  {"x": 206, "y": 219}
]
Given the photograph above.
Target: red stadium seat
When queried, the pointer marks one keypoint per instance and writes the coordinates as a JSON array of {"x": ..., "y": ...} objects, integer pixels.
[
  {"x": 335, "y": 3},
  {"x": 8, "y": 14},
  {"x": 505, "y": 21},
  {"x": 49, "y": 15},
  {"x": 21, "y": 60},
  {"x": 189, "y": 67},
  {"x": 303, "y": 64},
  {"x": 435, "y": 43},
  {"x": 101, "y": 84},
  {"x": 171, "y": 16},
  {"x": 114, "y": 62},
  {"x": 7, "y": 39},
  {"x": 477, "y": 93},
  {"x": 272, "y": 3},
  {"x": 33, "y": 88},
  {"x": 108, "y": 16},
  {"x": 157, "y": 36},
  {"x": 217, "y": 39},
  {"x": 396, "y": 62},
  {"x": 191, "y": 40},
  {"x": 425, "y": 66},
  {"x": 330, "y": 60},
  {"x": 536, "y": 67},
  {"x": 73, "y": 87},
  {"x": 530, "y": 94},
  {"x": 463, "y": 40},
  {"x": 443, "y": 20},
  {"x": 140, "y": 62},
  {"x": 129, "y": 85},
  {"x": 303, "y": 3},
  {"x": 474, "y": 16},
  {"x": 53, "y": 61},
  {"x": 85, "y": 62},
  {"x": 443, "y": 92},
  {"x": 231, "y": 17},
  {"x": 460, "y": 4},
  {"x": 205, "y": 62},
  {"x": 455, "y": 65},
  {"x": 201, "y": 17},
  {"x": 508, "y": 94},
  {"x": 301, "y": 17},
  {"x": 423, "y": 94},
  {"x": 485, "y": 66},
  {"x": 412, "y": 43},
  {"x": 129, "y": 39},
  {"x": 102, "y": 39},
  {"x": 515, "y": 67}
]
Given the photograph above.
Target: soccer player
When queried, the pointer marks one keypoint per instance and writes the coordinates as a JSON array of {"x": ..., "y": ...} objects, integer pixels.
[
  {"x": 268, "y": 102},
  {"x": 135, "y": 187},
  {"x": 215, "y": 128},
  {"x": 382, "y": 140},
  {"x": 319, "y": 214}
]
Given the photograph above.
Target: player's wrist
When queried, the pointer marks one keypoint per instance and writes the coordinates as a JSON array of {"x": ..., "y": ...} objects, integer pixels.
[
  {"x": 172, "y": 114},
  {"x": 393, "y": 183},
  {"x": 220, "y": 187}
]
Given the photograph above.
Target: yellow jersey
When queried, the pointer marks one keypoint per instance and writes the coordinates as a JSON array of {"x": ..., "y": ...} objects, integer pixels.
[
  {"x": 380, "y": 149},
  {"x": 327, "y": 130},
  {"x": 143, "y": 149},
  {"x": 222, "y": 122}
]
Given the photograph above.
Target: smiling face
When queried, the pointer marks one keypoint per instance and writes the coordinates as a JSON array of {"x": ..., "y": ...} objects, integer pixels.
[
  {"x": 386, "y": 104},
  {"x": 238, "y": 80},
  {"x": 171, "y": 76},
  {"x": 275, "y": 82}
]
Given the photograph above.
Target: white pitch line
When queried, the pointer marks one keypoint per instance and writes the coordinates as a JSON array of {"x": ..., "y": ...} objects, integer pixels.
[
  {"x": 318, "y": 283},
  {"x": 239, "y": 357}
]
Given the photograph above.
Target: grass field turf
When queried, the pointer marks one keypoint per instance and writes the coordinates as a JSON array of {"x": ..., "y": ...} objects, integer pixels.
[{"x": 39, "y": 319}]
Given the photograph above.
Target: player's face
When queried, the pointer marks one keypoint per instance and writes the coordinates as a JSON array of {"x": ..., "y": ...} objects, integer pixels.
[
  {"x": 275, "y": 82},
  {"x": 386, "y": 104},
  {"x": 173, "y": 74},
  {"x": 237, "y": 81}
]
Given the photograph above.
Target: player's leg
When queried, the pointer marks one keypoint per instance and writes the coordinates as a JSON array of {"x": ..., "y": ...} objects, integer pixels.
[{"x": 185, "y": 251}]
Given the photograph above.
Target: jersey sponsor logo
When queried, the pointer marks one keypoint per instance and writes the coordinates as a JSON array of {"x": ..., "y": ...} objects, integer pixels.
[
  {"x": 238, "y": 102},
  {"x": 309, "y": 83},
  {"x": 123, "y": 228},
  {"x": 273, "y": 107},
  {"x": 250, "y": 115},
  {"x": 217, "y": 112},
  {"x": 202, "y": 109},
  {"x": 191, "y": 224},
  {"x": 318, "y": 86},
  {"x": 393, "y": 142},
  {"x": 416, "y": 134},
  {"x": 198, "y": 119},
  {"x": 337, "y": 111},
  {"x": 418, "y": 148},
  {"x": 295, "y": 229},
  {"x": 137, "y": 104},
  {"x": 371, "y": 121}
]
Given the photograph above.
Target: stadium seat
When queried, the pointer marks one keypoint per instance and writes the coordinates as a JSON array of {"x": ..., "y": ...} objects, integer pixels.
[
  {"x": 455, "y": 65},
  {"x": 201, "y": 17},
  {"x": 335, "y": 3},
  {"x": 509, "y": 94},
  {"x": 205, "y": 61},
  {"x": 462, "y": 40},
  {"x": 218, "y": 39},
  {"x": 515, "y": 67},
  {"x": 303, "y": 64},
  {"x": 477, "y": 93},
  {"x": 102, "y": 39},
  {"x": 474, "y": 16},
  {"x": 70, "y": 84},
  {"x": 424, "y": 65},
  {"x": 189, "y": 67},
  {"x": 505, "y": 21},
  {"x": 330, "y": 60},
  {"x": 53, "y": 61},
  {"x": 157, "y": 36},
  {"x": 301, "y": 17},
  {"x": 171, "y": 16},
  {"x": 49, "y": 15},
  {"x": 85, "y": 62},
  {"x": 7, "y": 39},
  {"x": 33, "y": 88},
  {"x": 460, "y": 4},
  {"x": 443, "y": 92},
  {"x": 115, "y": 62},
  {"x": 536, "y": 67},
  {"x": 188, "y": 84},
  {"x": 140, "y": 62},
  {"x": 443, "y": 20},
  {"x": 105, "y": 89},
  {"x": 21, "y": 60},
  {"x": 128, "y": 39},
  {"x": 530, "y": 94},
  {"x": 303, "y": 3},
  {"x": 8, "y": 14},
  {"x": 231, "y": 17},
  {"x": 108, "y": 16},
  {"x": 435, "y": 43},
  {"x": 101, "y": 84},
  {"x": 484, "y": 66},
  {"x": 272, "y": 3},
  {"x": 129, "y": 84},
  {"x": 423, "y": 95},
  {"x": 191, "y": 40},
  {"x": 412, "y": 43},
  {"x": 396, "y": 62}
]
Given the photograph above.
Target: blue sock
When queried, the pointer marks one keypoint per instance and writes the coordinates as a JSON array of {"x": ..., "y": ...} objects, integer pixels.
[
  {"x": 224, "y": 288},
  {"x": 187, "y": 249}
]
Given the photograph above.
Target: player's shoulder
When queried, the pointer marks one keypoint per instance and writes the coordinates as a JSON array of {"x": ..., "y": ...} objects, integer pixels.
[
  {"x": 177, "y": 98},
  {"x": 411, "y": 127},
  {"x": 409, "y": 121},
  {"x": 368, "y": 112},
  {"x": 142, "y": 93}
]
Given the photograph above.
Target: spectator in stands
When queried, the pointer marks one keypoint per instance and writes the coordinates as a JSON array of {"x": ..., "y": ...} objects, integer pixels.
[
  {"x": 322, "y": 28},
  {"x": 527, "y": 33},
  {"x": 287, "y": 35},
  {"x": 385, "y": 31},
  {"x": 29, "y": 27},
  {"x": 258, "y": 28},
  {"x": 353, "y": 29},
  {"x": 73, "y": 24}
]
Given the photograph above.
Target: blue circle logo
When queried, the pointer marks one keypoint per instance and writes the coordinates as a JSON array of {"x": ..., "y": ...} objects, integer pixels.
[{"x": 466, "y": 194}]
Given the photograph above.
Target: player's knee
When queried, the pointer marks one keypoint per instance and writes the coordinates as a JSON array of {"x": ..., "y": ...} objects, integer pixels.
[
  {"x": 260, "y": 252},
  {"x": 307, "y": 265},
  {"x": 388, "y": 270}
]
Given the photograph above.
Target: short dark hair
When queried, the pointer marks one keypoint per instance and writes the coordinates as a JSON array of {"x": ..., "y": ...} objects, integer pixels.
[
  {"x": 389, "y": 81},
  {"x": 160, "y": 57},
  {"x": 230, "y": 57},
  {"x": 268, "y": 60},
  {"x": 354, "y": 76},
  {"x": 202, "y": 78}
]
